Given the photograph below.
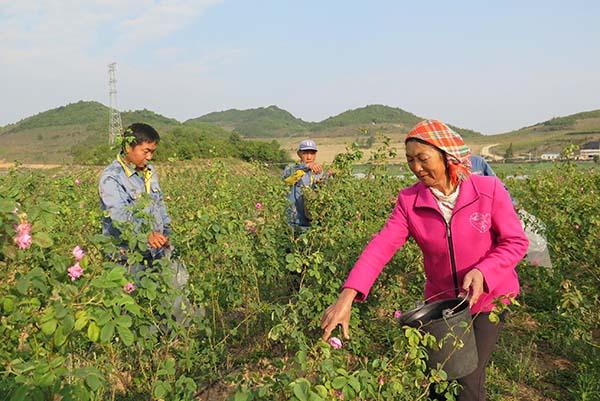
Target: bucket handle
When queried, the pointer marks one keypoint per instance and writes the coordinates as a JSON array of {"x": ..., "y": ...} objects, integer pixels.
[{"x": 465, "y": 298}]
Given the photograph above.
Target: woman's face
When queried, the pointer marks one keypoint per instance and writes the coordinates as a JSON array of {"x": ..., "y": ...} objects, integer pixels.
[{"x": 427, "y": 164}]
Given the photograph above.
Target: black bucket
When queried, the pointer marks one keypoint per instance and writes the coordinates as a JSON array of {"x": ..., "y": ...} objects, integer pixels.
[{"x": 450, "y": 320}]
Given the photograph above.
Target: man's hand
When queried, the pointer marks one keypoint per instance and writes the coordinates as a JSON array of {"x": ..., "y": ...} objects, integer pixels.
[
  {"x": 157, "y": 240},
  {"x": 315, "y": 167}
]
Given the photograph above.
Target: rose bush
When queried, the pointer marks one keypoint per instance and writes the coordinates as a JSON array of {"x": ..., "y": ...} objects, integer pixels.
[{"x": 78, "y": 326}]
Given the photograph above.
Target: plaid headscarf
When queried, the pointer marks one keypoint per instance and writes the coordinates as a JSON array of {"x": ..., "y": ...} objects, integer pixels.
[{"x": 438, "y": 134}]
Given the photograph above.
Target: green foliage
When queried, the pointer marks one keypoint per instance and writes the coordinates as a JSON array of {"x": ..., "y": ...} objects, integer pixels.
[
  {"x": 261, "y": 290},
  {"x": 263, "y": 121},
  {"x": 199, "y": 141}
]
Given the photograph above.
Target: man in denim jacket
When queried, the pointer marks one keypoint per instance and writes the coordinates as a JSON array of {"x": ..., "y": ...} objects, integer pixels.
[
  {"x": 298, "y": 176},
  {"x": 125, "y": 181}
]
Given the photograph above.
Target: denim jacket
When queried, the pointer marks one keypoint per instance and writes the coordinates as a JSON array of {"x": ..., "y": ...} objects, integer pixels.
[
  {"x": 299, "y": 176},
  {"x": 121, "y": 185}
]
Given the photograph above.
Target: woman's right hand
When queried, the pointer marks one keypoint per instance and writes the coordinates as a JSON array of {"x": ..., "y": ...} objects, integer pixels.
[{"x": 339, "y": 313}]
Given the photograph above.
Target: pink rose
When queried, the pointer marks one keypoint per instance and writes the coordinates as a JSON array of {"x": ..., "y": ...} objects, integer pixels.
[
  {"x": 24, "y": 228},
  {"x": 78, "y": 253},
  {"x": 335, "y": 342},
  {"x": 75, "y": 271},
  {"x": 129, "y": 287},
  {"x": 23, "y": 240},
  {"x": 258, "y": 206}
]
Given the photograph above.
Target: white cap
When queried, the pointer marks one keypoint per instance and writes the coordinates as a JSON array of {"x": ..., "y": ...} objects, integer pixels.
[{"x": 307, "y": 144}]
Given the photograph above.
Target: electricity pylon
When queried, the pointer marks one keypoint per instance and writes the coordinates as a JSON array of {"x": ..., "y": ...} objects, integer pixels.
[{"x": 115, "y": 126}]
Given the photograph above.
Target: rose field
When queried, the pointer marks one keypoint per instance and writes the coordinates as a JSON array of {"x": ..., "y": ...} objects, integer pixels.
[{"x": 76, "y": 326}]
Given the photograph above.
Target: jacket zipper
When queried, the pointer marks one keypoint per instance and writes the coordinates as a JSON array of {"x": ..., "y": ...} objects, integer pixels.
[{"x": 452, "y": 261}]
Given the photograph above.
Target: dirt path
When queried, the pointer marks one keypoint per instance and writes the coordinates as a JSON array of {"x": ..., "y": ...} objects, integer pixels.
[
  {"x": 485, "y": 152},
  {"x": 6, "y": 165}
]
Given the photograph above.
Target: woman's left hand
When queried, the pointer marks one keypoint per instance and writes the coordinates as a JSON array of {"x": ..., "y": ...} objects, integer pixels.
[{"x": 474, "y": 281}]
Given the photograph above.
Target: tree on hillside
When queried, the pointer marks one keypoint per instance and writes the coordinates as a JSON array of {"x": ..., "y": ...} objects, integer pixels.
[{"x": 509, "y": 152}]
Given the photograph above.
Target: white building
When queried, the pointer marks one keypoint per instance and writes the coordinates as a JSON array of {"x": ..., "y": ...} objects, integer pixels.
[
  {"x": 589, "y": 150},
  {"x": 550, "y": 156}
]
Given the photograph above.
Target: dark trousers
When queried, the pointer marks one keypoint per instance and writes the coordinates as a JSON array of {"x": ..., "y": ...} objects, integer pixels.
[{"x": 486, "y": 336}]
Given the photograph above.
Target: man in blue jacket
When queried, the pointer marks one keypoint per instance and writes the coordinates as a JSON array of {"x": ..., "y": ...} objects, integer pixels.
[
  {"x": 131, "y": 180},
  {"x": 306, "y": 173},
  {"x": 480, "y": 167},
  {"x": 128, "y": 184}
]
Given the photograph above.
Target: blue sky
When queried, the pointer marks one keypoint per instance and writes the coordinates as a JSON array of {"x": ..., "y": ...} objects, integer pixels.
[{"x": 486, "y": 65}]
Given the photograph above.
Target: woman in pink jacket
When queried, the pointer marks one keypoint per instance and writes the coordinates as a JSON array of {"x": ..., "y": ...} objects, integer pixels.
[{"x": 467, "y": 229}]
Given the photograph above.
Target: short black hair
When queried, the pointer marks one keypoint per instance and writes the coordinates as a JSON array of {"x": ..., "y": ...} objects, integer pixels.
[{"x": 141, "y": 133}]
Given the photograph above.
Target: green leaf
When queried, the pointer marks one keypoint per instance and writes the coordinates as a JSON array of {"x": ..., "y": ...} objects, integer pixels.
[
  {"x": 116, "y": 274},
  {"x": 123, "y": 320},
  {"x": 56, "y": 362},
  {"x": 60, "y": 310},
  {"x": 107, "y": 332},
  {"x": 81, "y": 321},
  {"x": 300, "y": 389},
  {"x": 353, "y": 381},
  {"x": 59, "y": 336},
  {"x": 8, "y": 304},
  {"x": 134, "y": 309},
  {"x": 339, "y": 382},
  {"x": 20, "y": 394},
  {"x": 103, "y": 318},
  {"x": 68, "y": 322},
  {"x": 493, "y": 317},
  {"x": 93, "y": 381},
  {"x": 22, "y": 285},
  {"x": 93, "y": 332},
  {"x": 43, "y": 240},
  {"x": 161, "y": 389},
  {"x": 241, "y": 396},
  {"x": 321, "y": 390},
  {"x": 84, "y": 263},
  {"x": 49, "y": 326},
  {"x": 125, "y": 334}
]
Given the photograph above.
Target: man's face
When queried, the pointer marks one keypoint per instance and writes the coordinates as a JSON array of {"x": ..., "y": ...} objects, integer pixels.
[
  {"x": 140, "y": 154},
  {"x": 307, "y": 156}
]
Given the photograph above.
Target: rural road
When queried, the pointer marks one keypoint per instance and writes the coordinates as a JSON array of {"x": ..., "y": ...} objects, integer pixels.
[
  {"x": 485, "y": 152},
  {"x": 6, "y": 165}
]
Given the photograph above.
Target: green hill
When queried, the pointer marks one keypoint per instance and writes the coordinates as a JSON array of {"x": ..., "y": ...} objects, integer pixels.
[
  {"x": 78, "y": 132},
  {"x": 51, "y": 136},
  {"x": 552, "y": 135},
  {"x": 273, "y": 122},
  {"x": 268, "y": 121},
  {"x": 372, "y": 114},
  {"x": 54, "y": 136}
]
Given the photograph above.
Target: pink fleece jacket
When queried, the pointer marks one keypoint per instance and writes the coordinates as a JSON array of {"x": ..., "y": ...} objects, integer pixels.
[{"x": 484, "y": 233}]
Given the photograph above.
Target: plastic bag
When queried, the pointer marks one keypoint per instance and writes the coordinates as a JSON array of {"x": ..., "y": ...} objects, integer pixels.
[{"x": 537, "y": 252}]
